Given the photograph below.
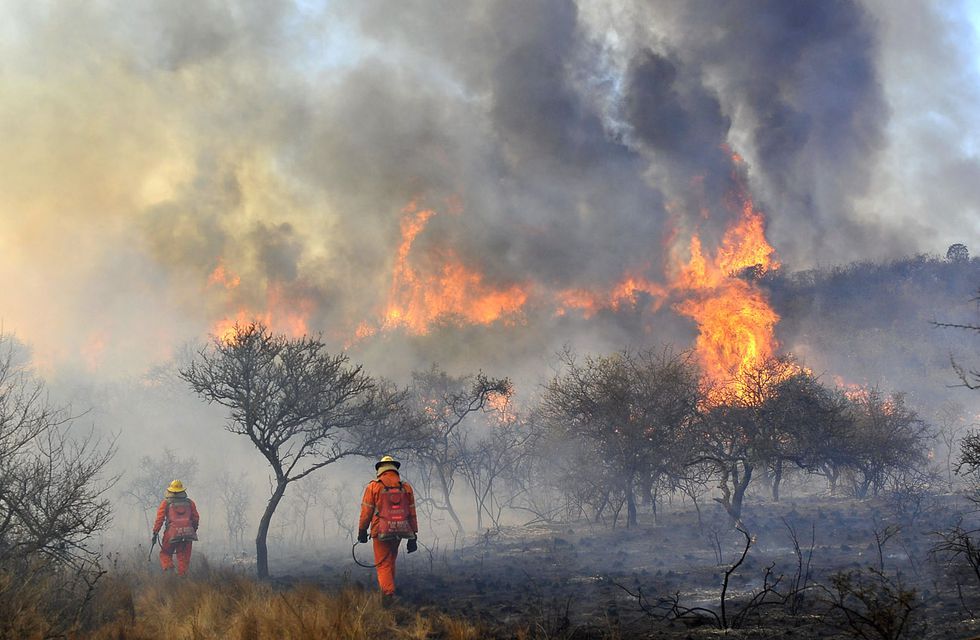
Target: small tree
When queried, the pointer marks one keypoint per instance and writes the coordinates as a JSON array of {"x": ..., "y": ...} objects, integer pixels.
[
  {"x": 443, "y": 404},
  {"x": 492, "y": 458},
  {"x": 305, "y": 496},
  {"x": 888, "y": 437},
  {"x": 234, "y": 497},
  {"x": 632, "y": 411},
  {"x": 52, "y": 501},
  {"x": 301, "y": 407},
  {"x": 152, "y": 477},
  {"x": 776, "y": 414},
  {"x": 808, "y": 427}
]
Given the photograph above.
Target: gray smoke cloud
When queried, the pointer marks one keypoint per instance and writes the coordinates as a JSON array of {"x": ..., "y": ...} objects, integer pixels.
[{"x": 560, "y": 143}]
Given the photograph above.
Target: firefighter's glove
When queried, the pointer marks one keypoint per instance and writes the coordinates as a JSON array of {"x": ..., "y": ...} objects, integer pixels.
[
  {"x": 412, "y": 546},
  {"x": 155, "y": 539},
  {"x": 362, "y": 536}
]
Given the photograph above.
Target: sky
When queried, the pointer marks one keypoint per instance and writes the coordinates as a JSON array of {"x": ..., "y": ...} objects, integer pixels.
[{"x": 168, "y": 168}]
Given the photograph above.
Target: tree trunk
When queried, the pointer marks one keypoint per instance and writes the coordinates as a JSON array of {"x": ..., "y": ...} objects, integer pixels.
[
  {"x": 601, "y": 507},
  {"x": 777, "y": 477},
  {"x": 738, "y": 493},
  {"x": 861, "y": 488},
  {"x": 479, "y": 514},
  {"x": 261, "y": 548},
  {"x": 630, "y": 505},
  {"x": 833, "y": 475},
  {"x": 445, "y": 495},
  {"x": 654, "y": 498}
]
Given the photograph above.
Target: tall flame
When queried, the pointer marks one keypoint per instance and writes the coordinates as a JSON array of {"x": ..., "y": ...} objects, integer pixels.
[
  {"x": 736, "y": 324},
  {"x": 448, "y": 290}
]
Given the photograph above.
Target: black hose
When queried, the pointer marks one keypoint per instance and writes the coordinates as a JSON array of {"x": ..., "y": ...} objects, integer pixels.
[{"x": 361, "y": 564}]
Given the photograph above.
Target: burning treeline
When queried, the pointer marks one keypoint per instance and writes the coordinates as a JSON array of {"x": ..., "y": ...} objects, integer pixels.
[
  {"x": 728, "y": 412},
  {"x": 721, "y": 412},
  {"x": 713, "y": 287}
]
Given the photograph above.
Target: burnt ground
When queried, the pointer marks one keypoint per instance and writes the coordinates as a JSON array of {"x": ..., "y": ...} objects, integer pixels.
[{"x": 567, "y": 581}]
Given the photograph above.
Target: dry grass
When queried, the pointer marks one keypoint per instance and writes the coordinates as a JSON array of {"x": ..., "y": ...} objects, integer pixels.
[{"x": 223, "y": 605}]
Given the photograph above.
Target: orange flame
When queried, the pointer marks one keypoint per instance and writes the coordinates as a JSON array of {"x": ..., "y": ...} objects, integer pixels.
[
  {"x": 450, "y": 290},
  {"x": 622, "y": 295},
  {"x": 500, "y": 408},
  {"x": 222, "y": 277},
  {"x": 736, "y": 324},
  {"x": 283, "y": 312}
]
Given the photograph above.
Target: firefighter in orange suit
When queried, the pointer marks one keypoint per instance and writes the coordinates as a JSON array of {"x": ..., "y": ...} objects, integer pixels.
[
  {"x": 180, "y": 515},
  {"x": 389, "y": 507}
]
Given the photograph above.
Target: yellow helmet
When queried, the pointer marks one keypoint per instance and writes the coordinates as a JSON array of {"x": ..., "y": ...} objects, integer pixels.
[
  {"x": 387, "y": 463},
  {"x": 176, "y": 487}
]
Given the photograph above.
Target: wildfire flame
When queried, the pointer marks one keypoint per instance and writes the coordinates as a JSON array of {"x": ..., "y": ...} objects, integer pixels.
[
  {"x": 714, "y": 287},
  {"x": 449, "y": 290},
  {"x": 222, "y": 277},
  {"x": 283, "y": 312},
  {"x": 736, "y": 324},
  {"x": 623, "y": 294}
]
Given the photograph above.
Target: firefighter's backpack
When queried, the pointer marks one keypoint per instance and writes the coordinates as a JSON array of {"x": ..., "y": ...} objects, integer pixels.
[
  {"x": 179, "y": 521},
  {"x": 392, "y": 512}
]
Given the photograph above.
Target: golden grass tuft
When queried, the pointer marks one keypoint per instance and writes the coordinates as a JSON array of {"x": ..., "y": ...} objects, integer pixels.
[{"x": 230, "y": 606}]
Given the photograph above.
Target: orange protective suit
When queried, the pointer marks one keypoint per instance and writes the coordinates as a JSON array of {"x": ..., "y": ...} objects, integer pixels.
[
  {"x": 168, "y": 547},
  {"x": 385, "y": 551}
]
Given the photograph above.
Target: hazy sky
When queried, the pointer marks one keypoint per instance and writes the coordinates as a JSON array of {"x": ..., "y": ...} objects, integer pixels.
[{"x": 167, "y": 165}]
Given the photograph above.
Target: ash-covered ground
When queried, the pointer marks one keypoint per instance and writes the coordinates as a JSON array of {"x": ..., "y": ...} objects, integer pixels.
[{"x": 582, "y": 580}]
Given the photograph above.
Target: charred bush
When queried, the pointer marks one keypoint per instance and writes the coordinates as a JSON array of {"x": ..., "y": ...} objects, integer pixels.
[
  {"x": 872, "y": 605},
  {"x": 731, "y": 614},
  {"x": 911, "y": 497},
  {"x": 958, "y": 551}
]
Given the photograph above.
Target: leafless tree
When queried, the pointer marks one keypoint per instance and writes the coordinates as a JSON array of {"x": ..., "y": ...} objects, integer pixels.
[
  {"x": 487, "y": 462},
  {"x": 152, "y": 476},
  {"x": 339, "y": 502},
  {"x": 52, "y": 488},
  {"x": 951, "y": 425},
  {"x": 969, "y": 377},
  {"x": 234, "y": 496},
  {"x": 52, "y": 495},
  {"x": 534, "y": 477},
  {"x": 305, "y": 496},
  {"x": 301, "y": 407},
  {"x": 444, "y": 404},
  {"x": 632, "y": 411}
]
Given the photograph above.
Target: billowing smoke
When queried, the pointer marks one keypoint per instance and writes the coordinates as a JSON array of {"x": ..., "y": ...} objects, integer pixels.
[{"x": 167, "y": 166}]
